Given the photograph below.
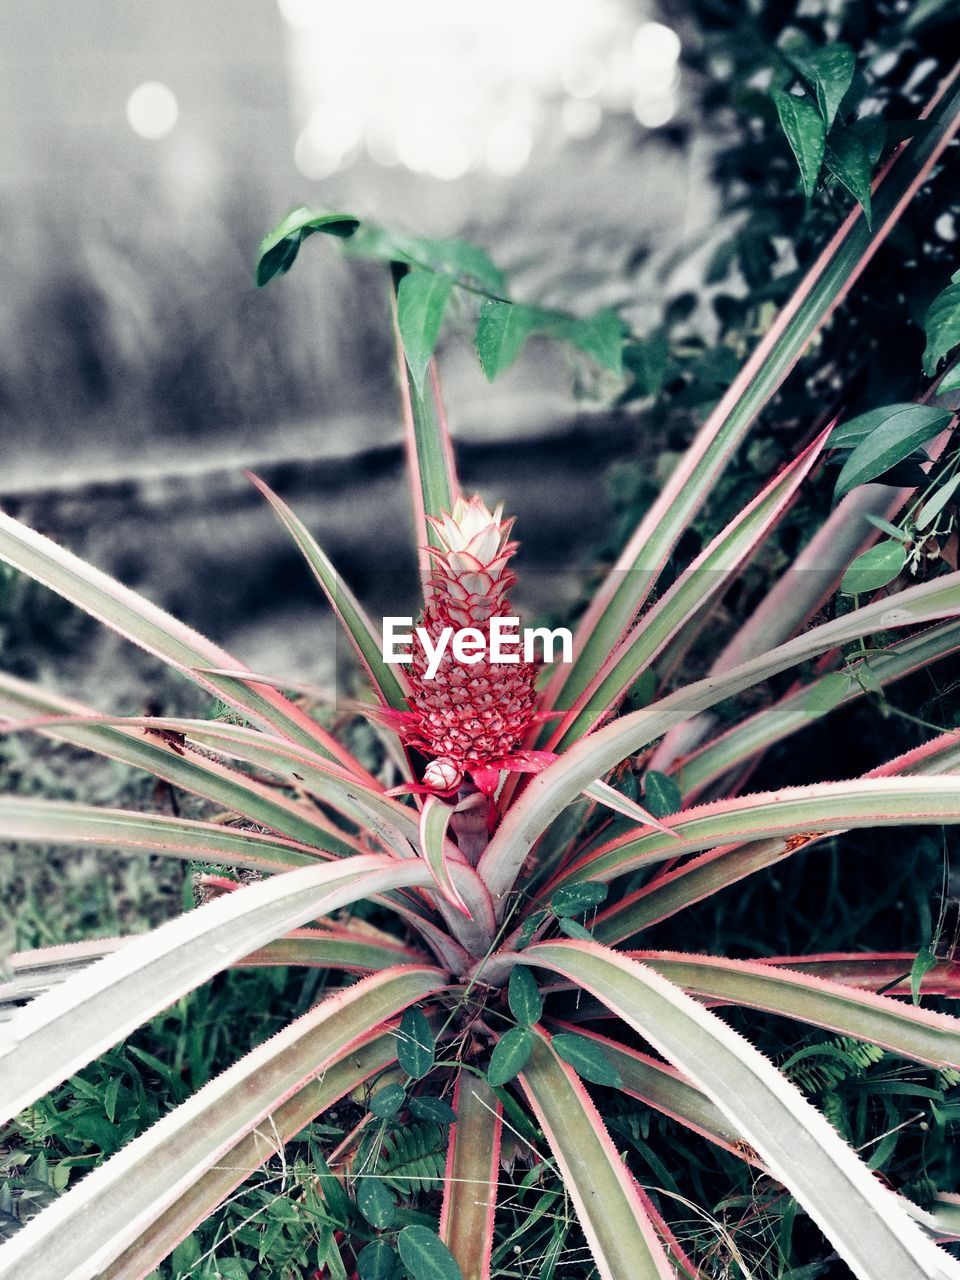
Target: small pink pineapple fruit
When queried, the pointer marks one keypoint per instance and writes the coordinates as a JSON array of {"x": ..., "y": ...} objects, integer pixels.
[{"x": 469, "y": 718}]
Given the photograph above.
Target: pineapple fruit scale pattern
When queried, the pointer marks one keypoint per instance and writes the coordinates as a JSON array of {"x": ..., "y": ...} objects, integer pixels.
[{"x": 469, "y": 719}]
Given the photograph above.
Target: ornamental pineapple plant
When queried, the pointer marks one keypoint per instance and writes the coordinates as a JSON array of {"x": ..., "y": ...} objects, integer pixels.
[{"x": 505, "y": 989}]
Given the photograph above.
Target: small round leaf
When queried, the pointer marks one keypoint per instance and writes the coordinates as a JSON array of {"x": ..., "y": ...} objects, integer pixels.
[
  {"x": 425, "y": 1255},
  {"x": 386, "y": 1102},
  {"x": 376, "y": 1203},
  {"x": 432, "y": 1109},
  {"x": 510, "y": 1055},
  {"x": 578, "y": 899},
  {"x": 523, "y": 995},
  {"x": 416, "y": 1044},
  {"x": 587, "y": 1058},
  {"x": 378, "y": 1261}
]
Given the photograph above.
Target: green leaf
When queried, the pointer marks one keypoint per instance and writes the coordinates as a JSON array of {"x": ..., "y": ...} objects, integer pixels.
[
  {"x": 827, "y": 693},
  {"x": 278, "y": 250},
  {"x": 377, "y": 1261},
  {"x": 425, "y": 1255},
  {"x": 578, "y": 899},
  {"x": 587, "y": 1058},
  {"x": 935, "y": 504},
  {"x": 502, "y": 329},
  {"x": 432, "y": 1109},
  {"x": 805, "y": 131},
  {"x": 386, "y": 1102},
  {"x": 530, "y": 926},
  {"x": 846, "y": 435},
  {"x": 466, "y": 264},
  {"x": 510, "y": 1055},
  {"x": 874, "y": 568},
  {"x": 891, "y": 441},
  {"x": 829, "y": 72},
  {"x": 847, "y": 159},
  {"x": 661, "y": 793},
  {"x": 885, "y": 526},
  {"x": 942, "y": 327},
  {"x": 186, "y": 1256},
  {"x": 601, "y": 337},
  {"x": 925, "y": 961},
  {"x": 524, "y": 997},
  {"x": 421, "y": 302},
  {"x": 416, "y": 1044},
  {"x": 574, "y": 930},
  {"x": 376, "y": 1202}
]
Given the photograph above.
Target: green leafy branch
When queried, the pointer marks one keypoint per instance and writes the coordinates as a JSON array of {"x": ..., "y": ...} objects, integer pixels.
[{"x": 433, "y": 269}]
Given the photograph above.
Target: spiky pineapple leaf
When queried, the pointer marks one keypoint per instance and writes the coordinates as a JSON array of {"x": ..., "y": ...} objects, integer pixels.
[
  {"x": 121, "y": 1219},
  {"x": 630, "y": 581},
  {"x": 69, "y": 1025},
  {"x": 471, "y": 1176},
  {"x": 864, "y": 1221},
  {"x": 612, "y": 1213}
]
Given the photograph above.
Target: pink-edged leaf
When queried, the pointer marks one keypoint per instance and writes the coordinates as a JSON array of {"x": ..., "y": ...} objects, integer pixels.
[
  {"x": 657, "y": 1084},
  {"x": 437, "y": 850},
  {"x": 471, "y": 1175},
  {"x": 342, "y": 947},
  {"x": 709, "y": 574},
  {"x": 388, "y": 682},
  {"x": 728, "y": 864},
  {"x": 882, "y": 971},
  {"x": 358, "y": 800},
  {"x": 140, "y": 1201},
  {"x": 26, "y": 818},
  {"x": 789, "y": 811},
  {"x": 430, "y": 462},
  {"x": 72, "y": 1023},
  {"x": 745, "y": 741},
  {"x": 162, "y": 756},
  {"x": 799, "y": 593},
  {"x": 548, "y": 794},
  {"x": 622, "y": 1238},
  {"x": 867, "y": 1225},
  {"x": 821, "y": 291},
  {"x": 143, "y": 623},
  {"x": 919, "y": 1034},
  {"x": 610, "y": 798}
]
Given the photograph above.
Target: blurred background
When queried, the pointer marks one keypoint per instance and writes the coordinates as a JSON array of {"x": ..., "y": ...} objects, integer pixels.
[{"x": 146, "y": 148}]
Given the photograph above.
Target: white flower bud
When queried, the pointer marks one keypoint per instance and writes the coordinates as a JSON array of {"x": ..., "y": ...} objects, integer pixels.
[{"x": 443, "y": 774}]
